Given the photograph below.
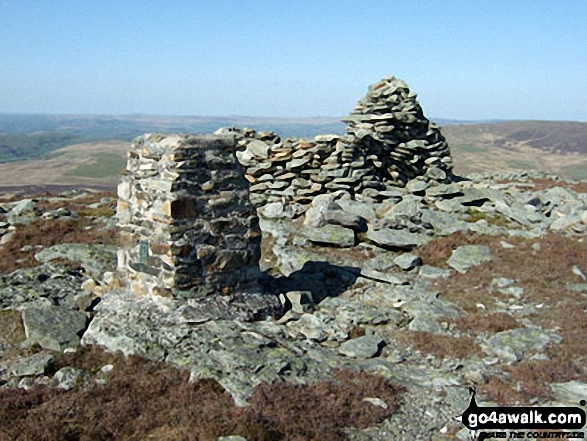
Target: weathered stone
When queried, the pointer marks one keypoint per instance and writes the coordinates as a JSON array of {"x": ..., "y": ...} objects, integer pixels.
[
  {"x": 408, "y": 261},
  {"x": 468, "y": 256},
  {"x": 571, "y": 392},
  {"x": 361, "y": 347},
  {"x": 53, "y": 327},
  {"x": 69, "y": 377},
  {"x": 514, "y": 345},
  {"x": 36, "y": 364},
  {"x": 397, "y": 239},
  {"x": 331, "y": 235}
]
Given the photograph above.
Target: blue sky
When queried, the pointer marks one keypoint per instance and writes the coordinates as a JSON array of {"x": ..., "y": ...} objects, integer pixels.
[{"x": 467, "y": 59}]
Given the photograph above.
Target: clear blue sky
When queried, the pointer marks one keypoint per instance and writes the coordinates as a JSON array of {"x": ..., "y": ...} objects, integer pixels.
[{"x": 466, "y": 59}]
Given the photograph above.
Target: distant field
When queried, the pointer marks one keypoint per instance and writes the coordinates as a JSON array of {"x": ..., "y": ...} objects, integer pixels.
[
  {"x": 88, "y": 164},
  {"x": 25, "y": 137},
  {"x": 59, "y": 158},
  {"x": 559, "y": 147}
]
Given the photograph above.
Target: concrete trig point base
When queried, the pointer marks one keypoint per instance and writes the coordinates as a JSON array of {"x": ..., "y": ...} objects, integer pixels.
[{"x": 187, "y": 227}]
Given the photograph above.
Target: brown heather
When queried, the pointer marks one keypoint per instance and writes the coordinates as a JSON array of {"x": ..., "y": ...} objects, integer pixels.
[
  {"x": 544, "y": 275},
  {"x": 143, "y": 400},
  {"x": 48, "y": 233}
]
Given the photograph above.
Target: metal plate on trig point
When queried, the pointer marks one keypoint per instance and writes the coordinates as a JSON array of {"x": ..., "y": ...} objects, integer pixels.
[{"x": 143, "y": 251}]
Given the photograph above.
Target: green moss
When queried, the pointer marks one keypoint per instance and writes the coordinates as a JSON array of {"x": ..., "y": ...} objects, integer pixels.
[{"x": 494, "y": 219}]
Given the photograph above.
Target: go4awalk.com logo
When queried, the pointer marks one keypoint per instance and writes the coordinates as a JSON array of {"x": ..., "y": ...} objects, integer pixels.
[{"x": 524, "y": 422}]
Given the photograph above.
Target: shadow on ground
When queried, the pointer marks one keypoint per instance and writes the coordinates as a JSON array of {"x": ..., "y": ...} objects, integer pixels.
[{"x": 321, "y": 279}]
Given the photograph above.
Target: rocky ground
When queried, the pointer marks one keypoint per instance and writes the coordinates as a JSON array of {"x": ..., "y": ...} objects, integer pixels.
[{"x": 393, "y": 310}]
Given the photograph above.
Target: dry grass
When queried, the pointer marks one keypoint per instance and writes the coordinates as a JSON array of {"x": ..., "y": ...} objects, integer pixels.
[
  {"x": 74, "y": 204},
  {"x": 543, "y": 184},
  {"x": 143, "y": 400},
  {"x": 478, "y": 323},
  {"x": 440, "y": 345}
]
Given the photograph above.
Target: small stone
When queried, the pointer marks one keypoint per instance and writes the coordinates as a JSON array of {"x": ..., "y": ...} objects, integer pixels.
[
  {"x": 465, "y": 257},
  {"x": 334, "y": 235},
  {"x": 376, "y": 401},
  {"x": 69, "y": 377},
  {"x": 408, "y": 261},
  {"x": 399, "y": 239},
  {"x": 432, "y": 272},
  {"x": 571, "y": 392},
  {"x": 259, "y": 149},
  {"x": 36, "y": 364},
  {"x": 361, "y": 347},
  {"x": 301, "y": 301},
  {"x": 88, "y": 285},
  {"x": 475, "y": 377}
]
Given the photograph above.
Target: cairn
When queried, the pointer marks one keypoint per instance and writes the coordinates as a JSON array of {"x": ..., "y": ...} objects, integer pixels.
[{"x": 388, "y": 142}]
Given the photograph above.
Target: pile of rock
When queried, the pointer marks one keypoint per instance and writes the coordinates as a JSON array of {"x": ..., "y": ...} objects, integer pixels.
[
  {"x": 187, "y": 227},
  {"x": 389, "y": 124},
  {"x": 388, "y": 142}
]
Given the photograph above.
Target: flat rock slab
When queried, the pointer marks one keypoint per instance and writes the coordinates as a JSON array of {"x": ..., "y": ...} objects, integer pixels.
[
  {"x": 516, "y": 344},
  {"x": 361, "y": 347},
  {"x": 569, "y": 392},
  {"x": 408, "y": 261},
  {"x": 432, "y": 272},
  {"x": 468, "y": 256},
  {"x": 96, "y": 259},
  {"x": 53, "y": 327},
  {"x": 396, "y": 239},
  {"x": 333, "y": 235},
  {"x": 36, "y": 364},
  {"x": 381, "y": 276}
]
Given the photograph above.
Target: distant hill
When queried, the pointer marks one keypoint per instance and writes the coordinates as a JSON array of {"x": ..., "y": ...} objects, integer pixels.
[
  {"x": 89, "y": 150},
  {"x": 558, "y": 147}
]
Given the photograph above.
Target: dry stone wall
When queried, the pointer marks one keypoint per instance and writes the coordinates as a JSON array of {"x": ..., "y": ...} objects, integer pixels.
[
  {"x": 388, "y": 142},
  {"x": 187, "y": 226}
]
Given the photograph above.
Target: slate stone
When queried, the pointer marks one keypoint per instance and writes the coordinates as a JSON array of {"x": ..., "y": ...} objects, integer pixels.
[
  {"x": 361, "y": 347},
  {"x": 408, "y": 261},
  {"x": 445, "y": 190},
  {"x": 36, "y": 364},
  {"x": 516, "y": 344},
  {"x": 432, "y": 272},
  {"x": 53, "y": 327},
  {"x": 382, "y": 276},
  {"x": 332, "y": 235},
  {"x": 95, "y": 258},
  {"x": 571, "y": 392},
  {"x": 399, "y": 239},
  {"x": 70, "y": 377},
  {"x": 344, "y": 219},
  {"x": 259, "y": 149},
  {"x": 465, "y": 257}
]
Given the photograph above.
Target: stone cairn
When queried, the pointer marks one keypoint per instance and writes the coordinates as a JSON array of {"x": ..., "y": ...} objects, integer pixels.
[
  {"x": 187, "y": 226},
  {"x": 388, "y": 141}
]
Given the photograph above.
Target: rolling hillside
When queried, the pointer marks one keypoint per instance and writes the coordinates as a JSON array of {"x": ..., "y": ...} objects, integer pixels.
[
  {"x": 559, "y": 147},
  {"x": 59, "y": 158}
]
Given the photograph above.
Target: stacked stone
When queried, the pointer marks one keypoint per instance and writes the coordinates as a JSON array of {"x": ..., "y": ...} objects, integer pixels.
[
  {"x": 187, "y": 227},
  {"x": 388, "y": 142},
  {"x": 399, "y": 141}
]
